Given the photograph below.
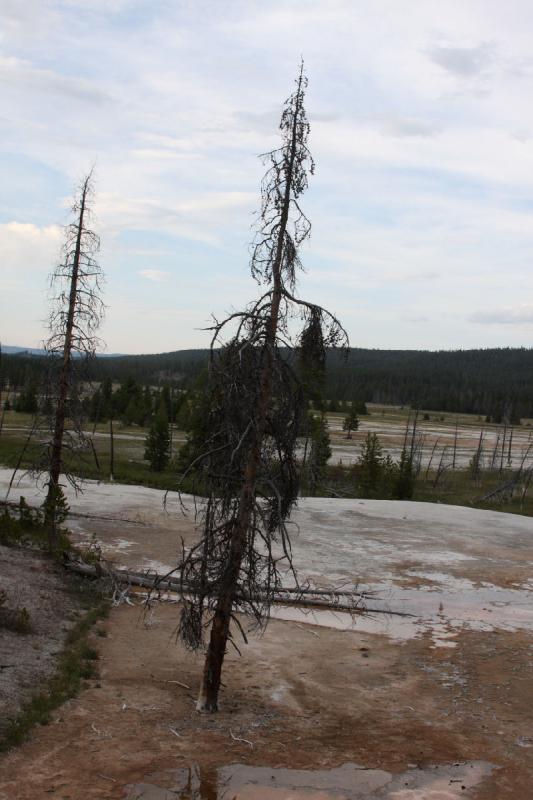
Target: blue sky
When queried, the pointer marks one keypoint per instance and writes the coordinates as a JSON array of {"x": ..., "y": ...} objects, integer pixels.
[{"x": 422, "y": 130}]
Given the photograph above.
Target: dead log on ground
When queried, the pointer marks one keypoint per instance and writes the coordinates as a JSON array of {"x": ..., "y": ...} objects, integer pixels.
[{"x": 330, "y": 600}]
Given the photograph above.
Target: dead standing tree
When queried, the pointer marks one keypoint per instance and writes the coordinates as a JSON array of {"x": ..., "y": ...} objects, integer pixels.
[
  {"x": 77, "y": 310},
  {"x": 246, "y": 442}
]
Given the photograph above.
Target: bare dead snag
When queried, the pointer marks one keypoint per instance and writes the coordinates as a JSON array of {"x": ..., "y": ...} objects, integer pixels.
[
  {"x": 111, "y": 451},
  {"x": 243, "y": 452},
  {"x": 77, "y": 310},
  {"x": 2, "y": 404}
]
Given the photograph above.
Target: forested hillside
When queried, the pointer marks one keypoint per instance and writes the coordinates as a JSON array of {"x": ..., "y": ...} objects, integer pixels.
[{"x": 492, "y": 382}]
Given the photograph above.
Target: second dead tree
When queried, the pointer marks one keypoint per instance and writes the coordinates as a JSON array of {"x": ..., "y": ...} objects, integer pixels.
[
  {"x": 244, "y": 449},
  {"x": 77, "y": 311}
]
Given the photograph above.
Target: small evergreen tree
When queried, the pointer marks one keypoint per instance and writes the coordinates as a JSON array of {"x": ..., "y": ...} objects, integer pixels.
[
  {"x": 157, "y": 450},
  {"x": 404, "y": 483},
  {"x": 26, "y": 402},
  {"x": 95, "y": 406},
  {"x": 360, "y": 407},
  {"x": 147, "y": 405},
  {"x": 58, "y": 504},
  {"x": 351, "y": 421},
  {"x": 370, "y": 467},
  {"x": 186, "y": 417},
  {"x": 106, "y": 387},
  {"x": 320, "y": 452},
  {"x": 128, "y": 391},
  {"x": 134, "y": 414},
  {"x": 167, "y": 399}
]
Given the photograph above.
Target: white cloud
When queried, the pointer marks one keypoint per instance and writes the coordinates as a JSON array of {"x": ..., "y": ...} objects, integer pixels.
[
  {"x": 521, "y": 315},
  {"x": 410, "y": 126},
  {"x": 422, "y": 131},
  {"x": 27, "y": 254},
  {"x": 199, "y": 217},
  {"x": 19, "y": 73},
  {"x": 26, "y": 249},
  {"x": 464, "y": 62},
  {"x": 156, "y": 275}
]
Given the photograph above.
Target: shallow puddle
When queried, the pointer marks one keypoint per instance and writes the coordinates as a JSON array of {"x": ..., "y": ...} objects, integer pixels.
[{"x": 347, "y": 782}]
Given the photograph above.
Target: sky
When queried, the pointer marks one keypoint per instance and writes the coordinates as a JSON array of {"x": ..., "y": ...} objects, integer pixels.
[{"x": 421, "y": 119}]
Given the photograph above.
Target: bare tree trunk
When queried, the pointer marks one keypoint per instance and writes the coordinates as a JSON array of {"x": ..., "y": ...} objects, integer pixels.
[
  {"x": 95, "y": 454},
  {"x": 419, "y": 452},
  {"x": 442, "y": 466},
  {"x": 455, "y": 443},
  {"x": 503, "y": 448},
  {"x": 431, "y": 459},
  {"x": 1, "y": 388},
  {"x": 64, "y": 381},
  {"x": 171, "y": 424},
  {"x": 2, "y": 400},
  {"x": 111, "y": 451},
  {"x": 495, "y": 452},
  {"x": 2, "y": 415},
  {"x": 413, "y": 435},
  {"x": 97, "y": 414},
  {"x": 525, "y": 488},
  {"x": 406, "y": 435}
]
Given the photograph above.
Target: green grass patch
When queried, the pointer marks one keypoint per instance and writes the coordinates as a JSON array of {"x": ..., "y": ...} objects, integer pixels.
[
  {"x": 455, "y": 487},
  {"x": 22, "y": 526},
  {"x": 129, "y": 465},
  {"x": 459, "y": 489}
]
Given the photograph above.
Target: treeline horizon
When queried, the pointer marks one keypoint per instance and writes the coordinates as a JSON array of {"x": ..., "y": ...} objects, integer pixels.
[{"x": 494, "y": 382}]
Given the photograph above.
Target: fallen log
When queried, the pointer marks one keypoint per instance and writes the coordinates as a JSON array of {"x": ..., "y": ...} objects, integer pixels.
[
  {"x": 77, "y": 514},
  {"x": 299, "y": 598},
  {"x": 500, "y": 492}
]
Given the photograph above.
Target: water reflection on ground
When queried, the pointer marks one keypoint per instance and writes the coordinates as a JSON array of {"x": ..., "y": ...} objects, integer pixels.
[{"x": 347, "y": 782}]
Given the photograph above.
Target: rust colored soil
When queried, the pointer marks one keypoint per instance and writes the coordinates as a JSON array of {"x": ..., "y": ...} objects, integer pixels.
[{"x": 304, "y": 697}]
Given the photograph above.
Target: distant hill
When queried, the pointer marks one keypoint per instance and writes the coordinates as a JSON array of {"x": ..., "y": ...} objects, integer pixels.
[
  {"x": 12, "y": 349},
  {"x": 496, "y": 382},
  {"x": 32, "y": 351},
  {"x": 174, "y": 367}
]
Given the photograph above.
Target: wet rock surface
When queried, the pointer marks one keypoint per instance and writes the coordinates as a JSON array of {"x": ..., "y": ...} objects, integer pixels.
[{"x": 347, "y": 782}]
